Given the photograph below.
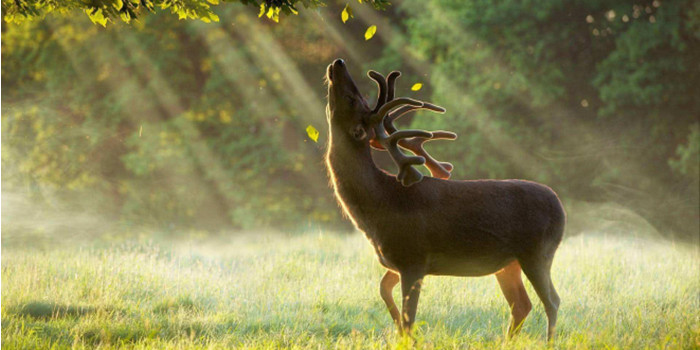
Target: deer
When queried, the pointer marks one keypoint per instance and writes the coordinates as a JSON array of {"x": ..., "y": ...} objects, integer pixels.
[{"x": 430, "y": 225}]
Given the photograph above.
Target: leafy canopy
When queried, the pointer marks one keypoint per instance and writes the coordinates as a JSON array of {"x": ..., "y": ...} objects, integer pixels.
[{"x": 103, "y": 11}]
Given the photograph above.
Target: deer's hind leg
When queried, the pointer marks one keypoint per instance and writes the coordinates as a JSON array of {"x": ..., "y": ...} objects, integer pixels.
[
  {"x": 411, "y": 281},
  {"x": 538, "y": 272},
  {"x": 511, "y": 282},
  {"x": 386, "y": 286}
]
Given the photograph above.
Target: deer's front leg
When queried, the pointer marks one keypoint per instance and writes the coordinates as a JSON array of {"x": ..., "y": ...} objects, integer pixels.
[
  {"x": 389, "y": 281},
  {"x": 511, "y": 283},
  {"x": 410, "y": 287}
]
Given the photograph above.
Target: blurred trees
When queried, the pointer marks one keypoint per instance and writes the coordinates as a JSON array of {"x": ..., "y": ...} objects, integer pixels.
[
  {"x": 171, "y": 124},
  {"x": 596, "y": 98},
  {"x": 202, "y": 125}
]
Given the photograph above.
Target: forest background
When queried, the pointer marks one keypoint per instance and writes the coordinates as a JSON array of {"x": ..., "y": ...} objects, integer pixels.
[{"x": 188, "y": 126}]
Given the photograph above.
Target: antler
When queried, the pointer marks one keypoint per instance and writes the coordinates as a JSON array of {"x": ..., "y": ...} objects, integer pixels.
[
  {"x": 382, "y": 86},
  {"x": 437, "y": 169},
  {"x": 387, "y": 137}
]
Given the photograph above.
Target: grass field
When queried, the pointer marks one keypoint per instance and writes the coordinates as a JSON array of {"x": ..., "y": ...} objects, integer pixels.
[{"x": 321, "y": 291}]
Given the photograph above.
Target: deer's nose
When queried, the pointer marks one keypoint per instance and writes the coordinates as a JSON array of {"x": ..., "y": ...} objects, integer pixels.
[{"x": 339, "y": 62}]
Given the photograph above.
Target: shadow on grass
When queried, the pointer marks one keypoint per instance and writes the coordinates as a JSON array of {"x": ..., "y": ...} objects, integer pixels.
[
  {"x": 164, "y": 322},
  {"x": 176, "y": 304},
  {"x": 45, "y": 310}
]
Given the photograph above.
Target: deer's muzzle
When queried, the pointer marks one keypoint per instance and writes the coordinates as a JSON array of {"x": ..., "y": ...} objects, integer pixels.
[{"x": 337, "y": 71}]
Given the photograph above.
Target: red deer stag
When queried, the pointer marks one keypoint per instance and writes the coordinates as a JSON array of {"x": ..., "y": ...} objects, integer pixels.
[{"x": 434, "y": 226}]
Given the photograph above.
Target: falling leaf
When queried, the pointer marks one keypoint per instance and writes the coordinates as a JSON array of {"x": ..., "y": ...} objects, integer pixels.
[
  {"x": 140, "y": 130},
  {"x": 416, "y": 86},
  {"x": 312, "y": 132},
  {"x": 370, "y": 32},
  {"x": 347, "y": 13}
]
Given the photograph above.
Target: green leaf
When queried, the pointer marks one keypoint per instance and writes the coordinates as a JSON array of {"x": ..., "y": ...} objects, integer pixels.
[
  {"x": 312, "y": 132},
  {"x": 416, "y": 87},
  {"x": 370, "y": 32}
]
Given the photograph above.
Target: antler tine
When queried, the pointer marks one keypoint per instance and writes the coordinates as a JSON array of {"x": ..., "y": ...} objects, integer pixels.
[
  {"x": 404, "y": 134},
  {"x": 381, "y": 84},
  {"x": 389, "y": 121},
  {"x": 437, "y": 169},
  {"x": 391, "y": 84},
  {"x": 383, "y": 110},
  {"x": 407, "y": 174}
]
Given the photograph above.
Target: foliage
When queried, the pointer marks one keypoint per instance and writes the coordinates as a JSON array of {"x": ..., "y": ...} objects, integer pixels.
[
  {"x": 688, "y": 154},
  {"x": 315, "y": 291},
  {"x": 103, "y": 11}
]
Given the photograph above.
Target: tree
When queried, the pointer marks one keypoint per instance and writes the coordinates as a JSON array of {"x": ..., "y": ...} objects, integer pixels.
[{"x": 103, "y": 11}]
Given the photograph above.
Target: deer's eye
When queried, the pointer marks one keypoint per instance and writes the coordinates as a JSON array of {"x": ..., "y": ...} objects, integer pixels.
[{"x": 351, "y": 100}]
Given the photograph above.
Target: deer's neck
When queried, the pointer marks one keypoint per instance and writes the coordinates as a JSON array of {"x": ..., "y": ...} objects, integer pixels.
[{"x": 359, "y": 185}]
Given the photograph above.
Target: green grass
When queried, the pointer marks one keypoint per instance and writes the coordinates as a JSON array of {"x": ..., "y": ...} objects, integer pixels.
[{"x": 321, "y": 291}]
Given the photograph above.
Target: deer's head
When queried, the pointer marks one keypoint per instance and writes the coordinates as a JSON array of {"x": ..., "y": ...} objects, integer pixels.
[{"x": 349, "y": 113}]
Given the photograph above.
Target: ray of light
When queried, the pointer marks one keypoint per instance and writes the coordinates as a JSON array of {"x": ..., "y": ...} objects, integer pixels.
[
  {"x": 298, "y": 94},
  {"x": 166, "y": 100}
]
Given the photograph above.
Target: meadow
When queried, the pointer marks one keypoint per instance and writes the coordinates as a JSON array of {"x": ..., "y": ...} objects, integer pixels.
[{"x": 319, "y": 290}]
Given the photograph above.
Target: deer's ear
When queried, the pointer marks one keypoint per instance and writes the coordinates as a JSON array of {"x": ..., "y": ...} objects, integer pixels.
[{"x": 358, "y": 132}]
